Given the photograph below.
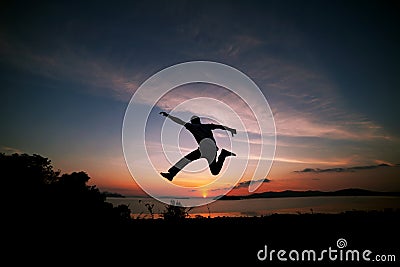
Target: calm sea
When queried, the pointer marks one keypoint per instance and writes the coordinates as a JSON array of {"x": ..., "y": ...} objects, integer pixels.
[{"x": 264, "y": 206}]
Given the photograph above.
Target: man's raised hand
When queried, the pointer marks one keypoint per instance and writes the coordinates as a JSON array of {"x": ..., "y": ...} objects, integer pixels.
[
  {"x": 165, "y": 114},
  {"x": 233, "y": 131}
]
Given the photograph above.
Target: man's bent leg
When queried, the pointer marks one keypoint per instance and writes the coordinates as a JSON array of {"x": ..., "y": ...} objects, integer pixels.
[
  {"x": 216, "y": 166},
  {"x": 195, "y": 154}
]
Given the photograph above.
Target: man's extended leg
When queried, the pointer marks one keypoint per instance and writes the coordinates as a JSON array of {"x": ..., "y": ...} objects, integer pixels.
[
  {"x": 216, "y": 165},
  {"x": 195, "y": 154}
]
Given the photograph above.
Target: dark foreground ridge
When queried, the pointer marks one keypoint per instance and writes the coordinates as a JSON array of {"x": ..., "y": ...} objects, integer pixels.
[
  {"x": 59, "y": 219},
  {"x": 220, "y": 240}
]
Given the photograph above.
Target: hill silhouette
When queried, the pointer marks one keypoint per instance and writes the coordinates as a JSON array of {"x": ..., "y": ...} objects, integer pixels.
[{"x": 312, "y": 193}]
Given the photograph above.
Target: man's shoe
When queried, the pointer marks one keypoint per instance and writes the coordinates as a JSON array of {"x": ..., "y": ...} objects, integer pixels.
[
  {"x": 227, "y": 153},
  {"x": 167, "y": 175}
]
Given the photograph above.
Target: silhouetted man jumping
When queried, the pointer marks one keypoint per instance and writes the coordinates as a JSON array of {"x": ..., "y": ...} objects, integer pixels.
[{"x": 207, "y": 146}]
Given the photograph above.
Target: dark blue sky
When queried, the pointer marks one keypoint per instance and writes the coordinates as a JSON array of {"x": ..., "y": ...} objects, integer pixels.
[{"x": 329, "y": 69}]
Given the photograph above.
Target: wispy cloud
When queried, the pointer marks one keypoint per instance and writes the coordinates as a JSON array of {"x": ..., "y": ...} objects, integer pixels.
[
  {"x": 300, "y": 124},
  {"x": 223, "y": 106},
  {"x": 304, "y": 102},
  {"x": 75, "y": 65},
  {"x": 247, "y": 183},
  {"x": 239, "y": 44},
  {"x": 347, "y": 169},
  {"x": 311, "y": 161}
]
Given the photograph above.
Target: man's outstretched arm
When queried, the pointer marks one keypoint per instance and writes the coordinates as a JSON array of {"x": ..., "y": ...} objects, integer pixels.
[
  {"x": 222, "y": 127},
  {"x": 175, "y": 119}
]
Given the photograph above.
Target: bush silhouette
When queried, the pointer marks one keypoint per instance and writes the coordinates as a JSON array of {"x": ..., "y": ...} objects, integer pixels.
[
  {"x": 175, "y": 211},
  {"x": 40, "y": 195}
]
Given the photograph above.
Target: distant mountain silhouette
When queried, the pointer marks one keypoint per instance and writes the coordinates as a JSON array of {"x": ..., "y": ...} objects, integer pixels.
[
  {"x": 311, "y": 193},
  {"x": 112, "y": 194}
]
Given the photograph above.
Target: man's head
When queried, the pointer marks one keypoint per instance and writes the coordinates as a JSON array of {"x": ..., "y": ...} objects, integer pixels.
[{"x": 195, "y": 120}]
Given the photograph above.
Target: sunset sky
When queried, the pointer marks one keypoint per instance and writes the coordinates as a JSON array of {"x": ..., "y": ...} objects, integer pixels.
[{"x": 330, "y": 71}]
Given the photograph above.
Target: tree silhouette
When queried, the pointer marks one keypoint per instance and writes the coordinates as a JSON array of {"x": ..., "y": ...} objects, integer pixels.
[{"x": 40, "y": 195}]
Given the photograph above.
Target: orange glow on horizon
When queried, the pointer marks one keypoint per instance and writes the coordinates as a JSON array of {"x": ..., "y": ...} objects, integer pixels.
[{"x": 282, "y": 177}]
